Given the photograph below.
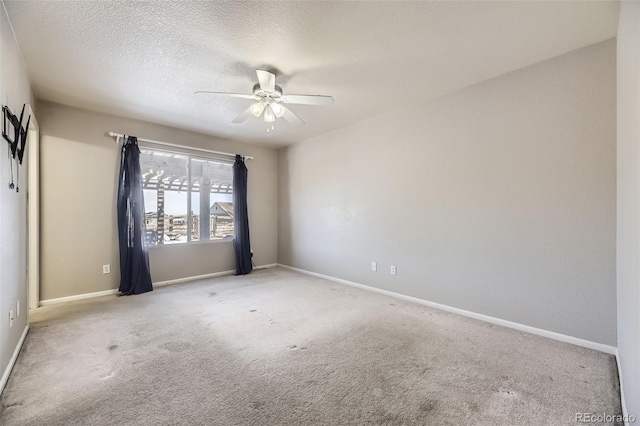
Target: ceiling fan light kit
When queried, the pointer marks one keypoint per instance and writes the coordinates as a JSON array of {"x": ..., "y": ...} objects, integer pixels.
[
  {"x": 270, "y": 100},
  {"x": 269, "y": 116},
  {"x": 277, "y": 109},
  {"x": 257, "y": 108}
]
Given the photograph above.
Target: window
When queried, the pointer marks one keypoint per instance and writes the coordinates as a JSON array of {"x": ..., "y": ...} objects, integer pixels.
[{"x": 186, "y": 198}]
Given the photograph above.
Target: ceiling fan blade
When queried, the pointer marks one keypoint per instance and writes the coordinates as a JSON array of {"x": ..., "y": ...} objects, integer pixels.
[
  {"x": 307, "y": 99},
  {"x": 243, "y": 116},
  {"x": 291, "y": 117},
  {"x": 232, "y": 95},
  {"x": 267, "y": 80}
]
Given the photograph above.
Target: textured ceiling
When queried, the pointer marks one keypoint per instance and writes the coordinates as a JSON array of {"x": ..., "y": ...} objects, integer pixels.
[{"x": 145, "y": 59}]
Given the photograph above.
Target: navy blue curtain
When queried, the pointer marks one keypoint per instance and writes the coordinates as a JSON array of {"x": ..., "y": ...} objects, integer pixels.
[
  {"x": 135, "y": 277},
  {"x": 241, "y": 243}
]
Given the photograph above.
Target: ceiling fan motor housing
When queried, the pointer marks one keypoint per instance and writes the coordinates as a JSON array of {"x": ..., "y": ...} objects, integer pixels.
[{"x": 275, "y": 95}]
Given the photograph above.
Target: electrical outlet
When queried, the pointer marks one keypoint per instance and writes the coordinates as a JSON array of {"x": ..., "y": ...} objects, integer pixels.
[
  {"x": 374, "y": 266},
  {"x": 18, "y": 308},
  {"x": 11, "y": 318},
  {"x": 106, "y": 269},
  {"x": 393, "y": 270}
]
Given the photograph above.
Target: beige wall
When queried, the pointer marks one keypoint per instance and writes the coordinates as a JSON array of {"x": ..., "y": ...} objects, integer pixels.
[
  {"x": 498, "y": 199},
  {"x": 628, "y": 243},
  {"x": 79, "y": 166},
  {"x": 15, "y": 91}
]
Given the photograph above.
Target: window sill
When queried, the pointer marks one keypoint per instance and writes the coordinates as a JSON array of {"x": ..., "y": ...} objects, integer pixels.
[{"x": 192, "y": 243}]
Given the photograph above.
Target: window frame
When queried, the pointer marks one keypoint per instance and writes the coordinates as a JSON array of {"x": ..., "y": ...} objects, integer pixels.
[{"x": 190, "y": 154}]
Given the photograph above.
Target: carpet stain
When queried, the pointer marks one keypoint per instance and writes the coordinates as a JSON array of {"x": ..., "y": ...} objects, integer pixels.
[
  {"x": 425, "y": 370},
  {"x": 506, "y": 392},
  {"x": 113, "y": 347},
  {"x": 474, "y": 407},
  {"x": 175, "y": 346},
  {"x": 296, "y": 347},
  {"x": 253, "y": 310},
  {"x": 213, "y": 293},
  {"x": 428, "y": 406}
]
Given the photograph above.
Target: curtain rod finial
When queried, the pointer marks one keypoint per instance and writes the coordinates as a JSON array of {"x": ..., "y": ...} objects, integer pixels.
[{"x": 116, "y": 136}]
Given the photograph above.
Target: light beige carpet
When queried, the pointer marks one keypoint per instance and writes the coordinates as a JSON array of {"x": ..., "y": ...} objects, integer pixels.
[{"x": 280, "y": 348}]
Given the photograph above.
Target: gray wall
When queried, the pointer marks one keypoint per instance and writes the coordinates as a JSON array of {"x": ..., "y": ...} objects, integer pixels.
[
  {"x": 499, "y": 199},
  {"x": 629, "y": 202},
  {"x": 14, "y": 92},
  {"x": 79, "y": 166}
]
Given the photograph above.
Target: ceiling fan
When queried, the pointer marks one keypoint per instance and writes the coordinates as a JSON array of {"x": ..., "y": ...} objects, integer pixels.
[{"x": 270, "y": 100}]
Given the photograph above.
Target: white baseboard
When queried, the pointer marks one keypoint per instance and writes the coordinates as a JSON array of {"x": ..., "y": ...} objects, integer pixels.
[
  {"x": 156, "y": 284},
  {"x": 12, "y": 361},
  {"x": 267, "y": 266},
  {"x": 193, "y": 278},
  {"x": 622, "y": 400},
  {"x": 212, "y": 275},
  {"x": 78, "y": 297},
  {"x": 533, "y": 330}
]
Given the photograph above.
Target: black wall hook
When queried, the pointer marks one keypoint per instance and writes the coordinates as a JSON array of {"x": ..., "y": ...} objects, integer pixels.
[{"x": 20, "y": 134}]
